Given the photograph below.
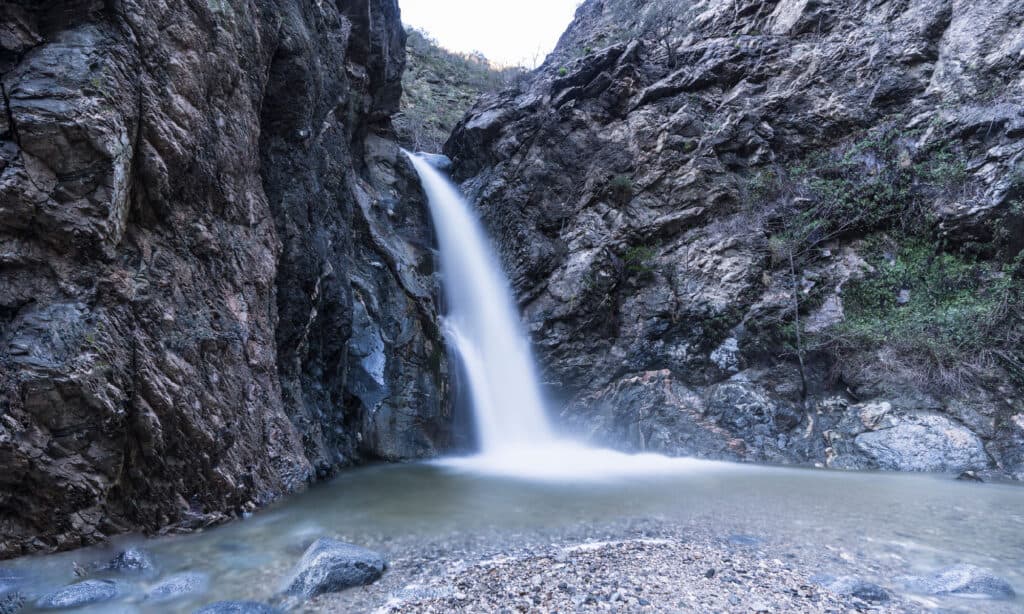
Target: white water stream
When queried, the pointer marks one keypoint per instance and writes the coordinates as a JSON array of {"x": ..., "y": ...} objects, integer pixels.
[{"x": 514, "y": 431}]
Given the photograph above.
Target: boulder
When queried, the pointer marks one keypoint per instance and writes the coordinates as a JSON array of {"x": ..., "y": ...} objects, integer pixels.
[
  {"x": 924, "y": 442},
  {"x": 962, "y": 581},
  {"x": 80, "y": 594},
  {"x": 178, "y": 585},
  {"x": 329, "y": 566}
]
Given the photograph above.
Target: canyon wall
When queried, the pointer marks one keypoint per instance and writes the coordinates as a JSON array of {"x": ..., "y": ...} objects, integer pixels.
[
  {"x": 216, "y": 274},
  {"x": 782, "y": 231}
]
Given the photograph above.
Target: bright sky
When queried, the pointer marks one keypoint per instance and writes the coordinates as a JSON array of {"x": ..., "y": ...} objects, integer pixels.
[{"x": 508, "y": 32}]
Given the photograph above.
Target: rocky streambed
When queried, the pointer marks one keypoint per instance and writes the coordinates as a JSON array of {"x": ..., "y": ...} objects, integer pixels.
[{"x": 698, "y": 537}]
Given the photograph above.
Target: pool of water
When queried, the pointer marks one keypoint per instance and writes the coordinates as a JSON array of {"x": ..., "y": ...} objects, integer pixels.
[{"x": 904, "y": 523}]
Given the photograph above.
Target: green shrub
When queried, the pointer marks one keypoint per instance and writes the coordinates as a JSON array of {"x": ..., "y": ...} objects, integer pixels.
[
  {"x": 637, "y": 259},
  {"x": 949, "y": 314},
  {"x": 621, "y": 188}
]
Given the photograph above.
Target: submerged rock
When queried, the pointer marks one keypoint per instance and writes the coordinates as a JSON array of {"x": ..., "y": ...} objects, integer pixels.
[
  {"x": 330, "y": 565},
  {"x": 963, "y": 581},
  {"x": 80, "y": 594},
  {"x": 853, "y": 587},
  {"x": 237, "y": 607},
  {"x": 11, "y": 602},
  {"x": 744, "y": 540},
  {"x": 178, "y": 585}
]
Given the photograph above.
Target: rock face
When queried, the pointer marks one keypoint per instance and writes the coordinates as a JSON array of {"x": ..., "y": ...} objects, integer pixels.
[
  {"x": 216, "y": 281},
  {"x": 758, "y": 229},
  {"x": 329, "y": 566}
]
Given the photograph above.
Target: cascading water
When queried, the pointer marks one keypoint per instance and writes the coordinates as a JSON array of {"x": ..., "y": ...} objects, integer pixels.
[
  {"x": 513, "y": 428},
  {"x": 482, "y": 324}
]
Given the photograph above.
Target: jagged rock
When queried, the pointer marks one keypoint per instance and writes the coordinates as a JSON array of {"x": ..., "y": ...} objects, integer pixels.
[
  {"x": 329, "y": 566},
  {"x": 237, "y": 607},
  {"x": 178, "y": 585},
  {"x": 132, "y": 561},
  {"x": 199, "y": 214},
  {"x": 963, "y": 581},
  {"x": 80, "y": 594},
  {"x": 636, "y": 200}
]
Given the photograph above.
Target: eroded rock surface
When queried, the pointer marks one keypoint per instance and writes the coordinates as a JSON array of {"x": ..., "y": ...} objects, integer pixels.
[
  {"x": 671, "y": 211},
  {"x": 216, "y": 281}
]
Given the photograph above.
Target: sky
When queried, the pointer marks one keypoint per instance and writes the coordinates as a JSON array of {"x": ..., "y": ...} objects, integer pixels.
[{"x": 508, "y": 32}]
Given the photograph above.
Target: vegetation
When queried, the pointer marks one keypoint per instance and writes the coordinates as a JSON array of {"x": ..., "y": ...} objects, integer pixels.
[
  {"x": 947, "y": 315},
  {"x": 621, "y": 188},
  {"x": 637, "y": 259},
  {"x": 439, "y": 87},
  {"x": 663, "y": 22},
  {"x": 938, "y": 314}
]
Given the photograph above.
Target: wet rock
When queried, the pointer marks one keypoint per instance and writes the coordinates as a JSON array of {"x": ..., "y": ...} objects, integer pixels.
[
  {"x": 962, "y": 581},
  {"x": 80, "y": 594},
  {"x": 178, "y": 585},
  {"x": 237, "y": 607},
  {"x": 439, "y": 161},
  {"x": 130, "y": 561},
  {"x": 329, "y": 566},
  {"x": 924, "y": 442},
  {"x": 853, "y": 587}
]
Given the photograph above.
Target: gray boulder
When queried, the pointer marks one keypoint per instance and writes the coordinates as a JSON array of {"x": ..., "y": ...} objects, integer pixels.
[
  {"x": 237, "y": 607},
  {"x": 329, "y": 566},
  {"x": 851, "y": 586},
  {"x": 962, "y": 581},
  {"x": 178, "y": 585},
  {"x": 924, "y": 442},
  {"x": 79, "y": 594}
]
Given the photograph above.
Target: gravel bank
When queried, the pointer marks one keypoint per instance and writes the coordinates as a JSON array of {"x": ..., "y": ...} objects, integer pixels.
[{"x": 650, "y": 568}]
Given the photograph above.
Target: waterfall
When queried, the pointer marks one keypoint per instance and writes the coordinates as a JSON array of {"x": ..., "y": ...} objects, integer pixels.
[
  {"x": 515, "y": 434},
  {"x": 482, "y": 324}
]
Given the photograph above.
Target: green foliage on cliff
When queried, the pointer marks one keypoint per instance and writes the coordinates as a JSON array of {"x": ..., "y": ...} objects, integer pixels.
[
  {"x": 439, "y": 86},
  {"x": 871, "y": 184},
  {"x": 952, "y": 313},
  {"x": 938, "y": 313}
]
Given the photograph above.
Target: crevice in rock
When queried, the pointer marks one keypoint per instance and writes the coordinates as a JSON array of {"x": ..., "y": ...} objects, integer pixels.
[{"x": 13, "y": 126}]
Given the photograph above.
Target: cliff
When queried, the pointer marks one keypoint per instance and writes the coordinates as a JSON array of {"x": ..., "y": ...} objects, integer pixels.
[
  {"x": 216, "y": 282},
  {"x": 781, "y": 231}
]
